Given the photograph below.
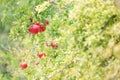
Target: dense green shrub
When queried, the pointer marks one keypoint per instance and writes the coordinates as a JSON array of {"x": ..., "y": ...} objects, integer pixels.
[{"x": 88, "y": 37}]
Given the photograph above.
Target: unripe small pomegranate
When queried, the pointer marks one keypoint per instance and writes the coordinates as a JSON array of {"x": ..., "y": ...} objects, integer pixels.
[
  {"x": 36, "y": 63},
  {"x": 48, "y": 43},
  {"x": 46, "y": 22},
  {"x": 31, "y": 19},
  {"x": 38, "y": 23}
]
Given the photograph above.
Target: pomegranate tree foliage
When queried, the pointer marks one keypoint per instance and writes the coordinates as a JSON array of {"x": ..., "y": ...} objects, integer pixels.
[{"x": 88, "y": 37}]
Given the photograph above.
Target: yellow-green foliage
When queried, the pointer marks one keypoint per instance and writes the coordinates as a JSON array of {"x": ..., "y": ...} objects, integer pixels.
[{"x": 79, "y": 28}]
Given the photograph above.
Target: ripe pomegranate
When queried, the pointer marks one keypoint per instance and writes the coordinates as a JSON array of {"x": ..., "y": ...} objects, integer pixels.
[
  {"x": 54, "y": 45},
  {"x": 42, "y": 28},
  {"x": 23, "y": 65},
  {"x": 41, "y": 54},
  {"x": 34, "y": 29}
]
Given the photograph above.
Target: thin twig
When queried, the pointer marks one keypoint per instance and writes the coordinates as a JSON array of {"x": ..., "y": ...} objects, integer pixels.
[
  {"x": 107, "y": 22},
  {"x": 60, "y": 76},
  {"x": 72, "y": 62},
  {"x": 4, "y": 49},
  {"x": 54, "y": 3}
]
